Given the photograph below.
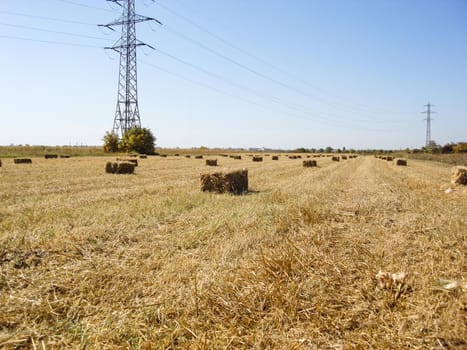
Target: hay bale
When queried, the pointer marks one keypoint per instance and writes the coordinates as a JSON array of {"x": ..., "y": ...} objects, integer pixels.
[
  {"x": 64, "y": 156},
  {"x": 163, "y": 155},
  {"x": 335, "y": 159},
  {"x": 176, "y": 155},
  {"x": 188, "y": 156},
  {"x": 459, "y": 175},
  {"x": 235, "y": 182},
  {"x": 401, "y": 162},
  {"x": 134, "y": 161},
  {"x": 133, "y": 155},
  {"x": 199, "y": 156},
  {"x": 110, "y": 168},
  {"x": 275, "y": 157},
  {"x": 344, "y": 157},
  {"x": 51, "y": 156},
  {"x": 309, "y": 163},
  {"x": 237, "y": 157},
  {"x": 143, "y": 156},
  {"x": 0, "y": 163},
  {"x": 120, "y": 167},
  {"x": 257, "y": 159},
  {"x": 211, "y": 162},
  {"x": 22, "y": 161},
  {"x": 389, "y": 159}
]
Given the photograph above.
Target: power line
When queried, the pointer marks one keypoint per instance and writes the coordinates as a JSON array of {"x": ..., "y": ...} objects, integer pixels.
[
  {"x": 12, "y": 37},
  {"x": 227, "y": 43},
  {"x": 52, "y": 31},
  {"x": 45, "y": 18},
  {"x": 85, "y": 5}
]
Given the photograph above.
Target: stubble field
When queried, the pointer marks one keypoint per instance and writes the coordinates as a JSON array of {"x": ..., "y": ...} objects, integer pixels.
[{"x": 90, "y": 260}]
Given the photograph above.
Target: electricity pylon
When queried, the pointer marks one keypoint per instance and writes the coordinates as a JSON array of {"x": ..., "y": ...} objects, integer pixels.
[
  {"x": 428, "y": 119},
  {"x": 127, "y": 112}
]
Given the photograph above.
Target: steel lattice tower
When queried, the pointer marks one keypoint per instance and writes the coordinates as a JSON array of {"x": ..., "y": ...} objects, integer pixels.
[
  {"x": 428, "y": 119},
  {"x": 127, "y": 111}
]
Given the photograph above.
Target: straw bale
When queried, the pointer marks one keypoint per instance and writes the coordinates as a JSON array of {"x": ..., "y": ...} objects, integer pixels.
[
  {"x": 199, "y": 156},
  {"x": 64, "y": 156},
  {"x": 133, "y": 155},
  {"x": 257, "y": 159},
  {"x": 344, "y": 157},
  {"x": 237, "y": 157},
  {"x": 176, "y": 155},
  {"x": 275, "y": 157},
  {"x": 235, "y": 182},
  {"x": 22, "y": 161},
  {"x": 188, "y": 156},
  {"x": 143, "y": 156},
  {"x": 309, "y": 163},
  {"x": 211, "y": 162},
  {"x": 335, "y": 158},
  {"x": 0, "y": 162},
  {"x": 163, "y": 155},
  {"x": 110, "y": 168},
  {"x": 120, "y": 167},
  {"x": 51, "y": 156},
  {"x": 128, "y": 160},
  {"x": 389, "y": 159},
  {"x": 401, "y": 162},
  {"x": 459, "y": 175}
]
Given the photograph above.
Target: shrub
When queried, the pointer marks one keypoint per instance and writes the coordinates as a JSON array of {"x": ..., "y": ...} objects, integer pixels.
[
  {"x": 110, "y": 142},
  {"x": 139, "y": 140}
]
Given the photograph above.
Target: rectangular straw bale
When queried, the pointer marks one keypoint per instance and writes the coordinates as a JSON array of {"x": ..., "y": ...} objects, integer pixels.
[
  {"x": 64, "y": 156},
  {"x": 275, "y": 157},
  {"x": 459, "y": 175},
  {"x": 120, "y": 168},
  {"x": 199, "y": 156},
  {"x": 237, "y": 157},
  {"x": 401, "y": 162},
  {"x": 335, "y": 158},
  {"x": 128, "y": 160},
  {"x": 344, "y": 157},
  {"x": 22, "y": 161},
  {"x": 389, "y": 159},
  {"x": 51, "y": 156},
  {"x": 309, "y": 163},
  {"x": 257, "y": 159},
  {"x": 143, "y": 156},
  {"x": 211, "y": 162},
  {"x": 235, "y": 182}
]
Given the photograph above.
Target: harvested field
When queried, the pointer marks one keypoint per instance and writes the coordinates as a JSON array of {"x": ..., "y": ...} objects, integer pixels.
[{"x": 93, "y": 261}]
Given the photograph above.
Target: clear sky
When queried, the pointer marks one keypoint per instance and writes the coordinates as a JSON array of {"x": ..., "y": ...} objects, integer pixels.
[{"x": 240, "y": 73}]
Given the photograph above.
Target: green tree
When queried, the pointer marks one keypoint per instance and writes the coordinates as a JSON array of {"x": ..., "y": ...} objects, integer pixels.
[
  {"x": 140, "y": 140},
  {"x": 110, "y": 142}
]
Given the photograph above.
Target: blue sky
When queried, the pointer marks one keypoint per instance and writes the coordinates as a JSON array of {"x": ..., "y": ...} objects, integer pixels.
[{"x": 353, "y": 73}]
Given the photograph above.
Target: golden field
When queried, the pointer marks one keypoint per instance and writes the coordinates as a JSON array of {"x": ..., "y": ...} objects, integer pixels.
[{"x": 90, "y": 260}]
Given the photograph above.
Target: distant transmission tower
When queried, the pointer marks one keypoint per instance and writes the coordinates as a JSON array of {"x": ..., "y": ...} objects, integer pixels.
[
  {"x": 127, "y": 112},
  {"x": 428, "y": 119}
]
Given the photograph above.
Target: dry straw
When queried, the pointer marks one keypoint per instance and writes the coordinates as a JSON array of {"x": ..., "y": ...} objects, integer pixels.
[
  {"x": 459, "y": 175},
  {"x": 211, "y": 162},
  {"x": 120, "y": 168},
  {"x": 128, "y": 160},
  {"x": 22, "y": 161},
  {"x": 401, "y": 162},
  {"x": 51, "y": 156},
  {"x": 235, "y": 182},
  {"x": 309, "y": 163}
]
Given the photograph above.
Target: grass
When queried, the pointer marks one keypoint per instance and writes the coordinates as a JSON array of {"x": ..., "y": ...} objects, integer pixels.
[{"x": 90, "y": 260}]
